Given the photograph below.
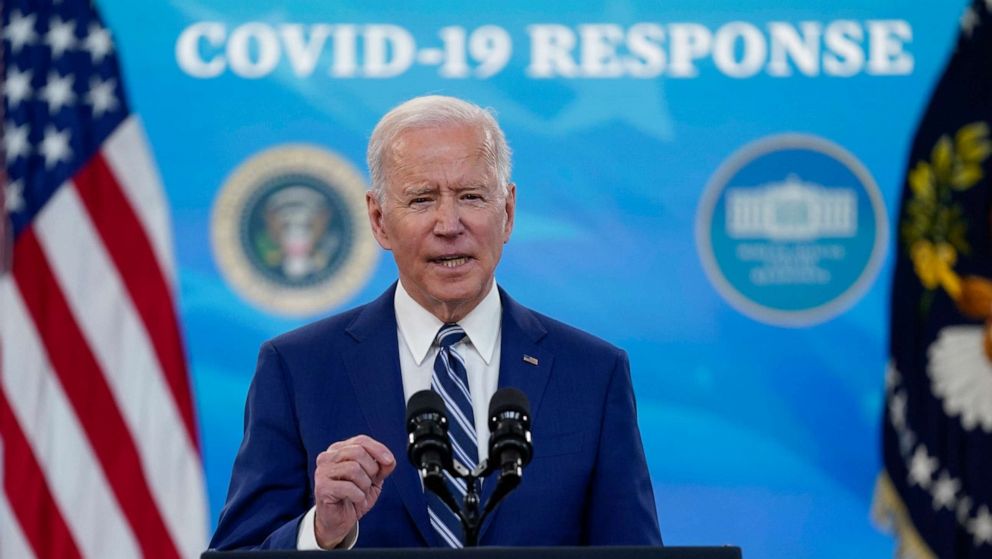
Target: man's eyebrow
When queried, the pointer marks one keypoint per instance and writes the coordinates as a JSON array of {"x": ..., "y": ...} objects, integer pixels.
[
  {"x": 471, "y": 186},
  {"x": 418, "y": 189}
]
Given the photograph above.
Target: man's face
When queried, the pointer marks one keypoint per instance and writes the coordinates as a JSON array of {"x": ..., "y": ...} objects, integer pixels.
[{"x": 443, "y": 216}]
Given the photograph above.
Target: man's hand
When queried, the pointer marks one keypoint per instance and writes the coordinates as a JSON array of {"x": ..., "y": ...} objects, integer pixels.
[{"x": 347, "y": 483}]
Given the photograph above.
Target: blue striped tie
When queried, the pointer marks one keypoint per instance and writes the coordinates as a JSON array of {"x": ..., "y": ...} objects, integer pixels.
[{"x": 450, "y": 380}]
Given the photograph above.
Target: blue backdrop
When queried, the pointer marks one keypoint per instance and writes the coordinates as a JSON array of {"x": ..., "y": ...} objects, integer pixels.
[{"x": 634, "y": 125}]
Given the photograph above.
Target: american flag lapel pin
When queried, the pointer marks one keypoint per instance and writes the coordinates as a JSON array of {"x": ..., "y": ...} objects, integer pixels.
[{"x": 530, "y": 359}]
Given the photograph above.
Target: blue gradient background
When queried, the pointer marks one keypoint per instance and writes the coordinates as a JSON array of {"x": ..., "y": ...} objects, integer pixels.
[{"x": 756, "y": 435}]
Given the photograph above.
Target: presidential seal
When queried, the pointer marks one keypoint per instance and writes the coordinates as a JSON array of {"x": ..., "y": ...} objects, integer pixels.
[{"x": 288, "y": 230}]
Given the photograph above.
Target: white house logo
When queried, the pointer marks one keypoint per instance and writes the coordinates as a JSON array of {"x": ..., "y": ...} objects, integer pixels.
[
  {"x": 791, "y": 210},
  {"x": 791, "y": 229},
  {"x": 288, "y": 230}
]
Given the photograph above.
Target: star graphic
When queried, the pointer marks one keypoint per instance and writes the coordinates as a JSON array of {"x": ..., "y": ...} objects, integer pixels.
[
  {"x": 58, "y": 92},
  {"x": 963, "y": 510},
  {"x": 18, "y": 86},
  {"x": 20, "y": 31},
  {"x": 61, "y": 36},
  {"x": 897, "y": 410},
  {"x": 14, "y": 196},
  {"x": 921, "y": 468},
  {"x": 101, "y": 96},
  {"x": 906, "y": 441},
  {"x": 15, "y": 141},
  {"x": 892, "y": 378},
  {"x": 969, "y": 19},
  {"x": 945, "y": 491},
  {"x": 55, "y": 146},
  {"x": 980, "y": 527},
  {"x": 98, "y": 43}
]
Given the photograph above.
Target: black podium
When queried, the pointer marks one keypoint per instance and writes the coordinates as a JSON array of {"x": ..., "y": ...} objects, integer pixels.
[{"x": 725, "y": 552}]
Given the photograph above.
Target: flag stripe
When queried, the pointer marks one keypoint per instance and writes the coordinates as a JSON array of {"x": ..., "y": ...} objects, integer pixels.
[
  {"x": 126, "y": 153},
  {"x": 12, "y": 542},
  {"x": 91, "y": 399},
  {"x": 45, "y": 529},
  {"x": 59, "y": 445},
  {"x": 122, "y": 346},
  {"x": 129, "y": 248}
]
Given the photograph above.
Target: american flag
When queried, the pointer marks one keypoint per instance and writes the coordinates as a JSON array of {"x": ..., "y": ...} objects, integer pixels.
[{"x": 99, "y": 455}]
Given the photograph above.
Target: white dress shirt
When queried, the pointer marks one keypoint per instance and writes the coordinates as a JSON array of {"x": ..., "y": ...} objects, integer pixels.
[{"x": 416, "y": 330}]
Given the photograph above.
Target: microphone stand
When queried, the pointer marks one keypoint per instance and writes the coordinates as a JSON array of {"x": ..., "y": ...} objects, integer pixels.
[
  {"x": 471, "y": 513},
  {"x": 471, "y": 519}
]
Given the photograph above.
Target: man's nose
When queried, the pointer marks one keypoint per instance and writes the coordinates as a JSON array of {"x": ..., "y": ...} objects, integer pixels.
[{"x": 447, "y": 219}]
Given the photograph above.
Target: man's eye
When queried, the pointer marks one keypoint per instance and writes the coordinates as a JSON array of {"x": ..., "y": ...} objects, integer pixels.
[
  {"x": 472, "y": 197},
  {"x": 420, "y": 200}
]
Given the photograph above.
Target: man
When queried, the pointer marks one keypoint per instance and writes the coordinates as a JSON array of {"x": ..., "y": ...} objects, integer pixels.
[{"x": 323, "y": 460}]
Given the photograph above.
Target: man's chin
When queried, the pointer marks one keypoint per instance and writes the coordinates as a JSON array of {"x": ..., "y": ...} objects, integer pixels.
[{"x": 456, "y": 299}]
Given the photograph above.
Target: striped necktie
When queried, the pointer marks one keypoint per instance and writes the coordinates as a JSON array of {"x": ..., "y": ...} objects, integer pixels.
[{"x": 450, "y": 381}]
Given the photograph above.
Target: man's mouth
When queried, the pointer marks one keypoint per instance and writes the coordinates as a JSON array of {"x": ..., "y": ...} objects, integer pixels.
[{"x": 451, "y": 261}]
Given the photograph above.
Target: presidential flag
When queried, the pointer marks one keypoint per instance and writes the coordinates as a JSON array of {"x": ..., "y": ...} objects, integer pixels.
[
  {"x": 936, "y": 489},
  {"x": 99, "y": 455}
]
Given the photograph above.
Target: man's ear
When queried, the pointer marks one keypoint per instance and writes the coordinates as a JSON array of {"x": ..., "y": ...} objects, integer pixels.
[
  {"x": 376, "y": 220},
  {"x": 511, "y": 211}
]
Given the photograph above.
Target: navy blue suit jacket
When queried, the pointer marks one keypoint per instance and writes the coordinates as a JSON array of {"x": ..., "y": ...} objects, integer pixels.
[{"x": 588, "y": 482}]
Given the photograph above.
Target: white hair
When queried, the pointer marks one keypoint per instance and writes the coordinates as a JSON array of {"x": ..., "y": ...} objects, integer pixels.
[{"x": 436, "y": 111}]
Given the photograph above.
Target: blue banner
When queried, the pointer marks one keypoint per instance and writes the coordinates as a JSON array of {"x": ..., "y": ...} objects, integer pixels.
[{"x": 709, "y": 185}]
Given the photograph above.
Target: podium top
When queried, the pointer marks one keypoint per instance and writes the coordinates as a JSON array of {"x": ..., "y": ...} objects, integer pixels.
[{"x": 722, "y": 552}]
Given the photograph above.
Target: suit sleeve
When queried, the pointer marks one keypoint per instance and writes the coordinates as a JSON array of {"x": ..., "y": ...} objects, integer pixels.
[
  {"x": 621, "y": 508},
  {"x": 269, "y": 491}
]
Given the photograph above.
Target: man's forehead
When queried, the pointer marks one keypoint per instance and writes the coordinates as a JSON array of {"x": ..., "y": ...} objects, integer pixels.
[
  {"x": 415, "y": 150},
  {"x": 402, "y": 141}
]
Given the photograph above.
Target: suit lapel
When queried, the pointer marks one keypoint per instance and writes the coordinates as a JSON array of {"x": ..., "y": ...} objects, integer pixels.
[
  {"x": 374, "y": 369},
  {"x": 520, "y": 338}
]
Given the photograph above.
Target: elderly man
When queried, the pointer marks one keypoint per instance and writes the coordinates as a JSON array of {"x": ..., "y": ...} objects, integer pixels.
[{"x": 322, "y": 464}]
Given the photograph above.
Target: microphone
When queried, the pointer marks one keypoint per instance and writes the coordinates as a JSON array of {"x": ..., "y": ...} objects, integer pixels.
[
  {"x": 427, "y": 426},
  {"x": 429, "y": 448},
  {"x": 510, "y": 446}
]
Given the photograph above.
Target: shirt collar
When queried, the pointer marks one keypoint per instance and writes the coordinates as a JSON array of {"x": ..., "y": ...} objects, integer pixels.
[{"x": 419, "y": 327}]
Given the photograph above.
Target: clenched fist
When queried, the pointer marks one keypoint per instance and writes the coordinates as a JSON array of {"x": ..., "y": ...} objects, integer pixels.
[{"x": 347, "y": 483}]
